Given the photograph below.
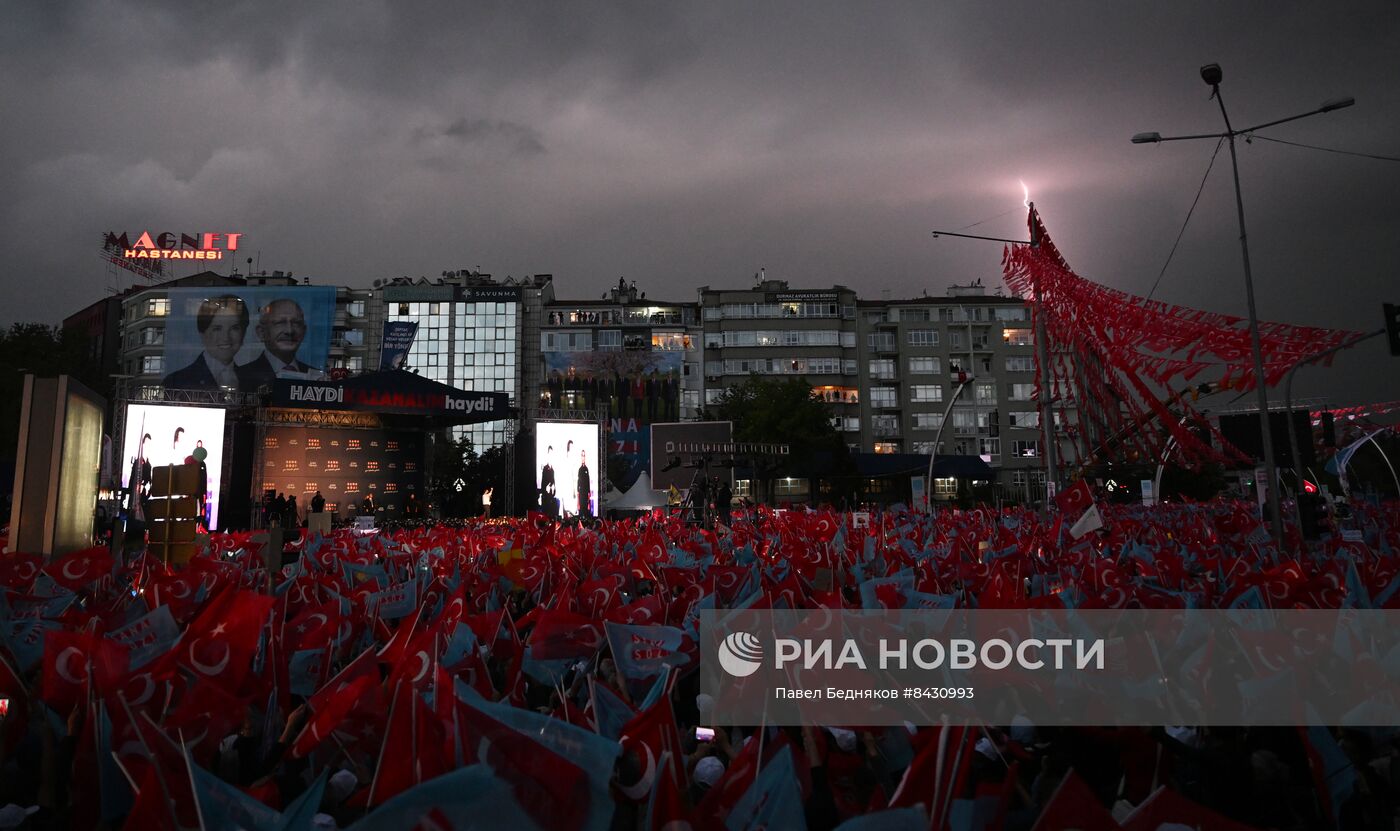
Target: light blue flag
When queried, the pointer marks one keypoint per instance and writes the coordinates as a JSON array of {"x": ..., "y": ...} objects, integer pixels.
[
  {"x": 114, "y": 790},
  {"x": 1357, "y": 596},
  {"x": 462, "y": 643},
  {"x": 774, "y": 800},
  {"x": 397, "y": 602},
  {"x": 305, "y": 671},
  {"x": 226, "y": 808},
  {"x": 304, "y": 808},
  {"x": 467, "y": 798},
  {"x": 148, "y": 637},
  {"x": 611, "y": 713},
  {"x": 643, "y": 652},
  {"x": 25, "y": 639}
]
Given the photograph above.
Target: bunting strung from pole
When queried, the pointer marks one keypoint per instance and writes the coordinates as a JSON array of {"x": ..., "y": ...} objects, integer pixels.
[{"x": 1132, "y": 367}]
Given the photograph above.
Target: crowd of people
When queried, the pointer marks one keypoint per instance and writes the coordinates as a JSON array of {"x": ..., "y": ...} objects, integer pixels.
[{"x": 478, "y": 675}]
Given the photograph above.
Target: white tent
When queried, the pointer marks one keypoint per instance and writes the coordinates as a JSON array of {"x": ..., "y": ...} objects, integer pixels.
[{"x": 639, "y": 497}]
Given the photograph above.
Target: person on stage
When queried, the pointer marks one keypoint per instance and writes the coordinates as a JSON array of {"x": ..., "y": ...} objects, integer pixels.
[
  {"x": 486, "y": 503},
  {"x": 585, "y": 486},
  {"x": 548, "y": 503},
  {"x": 222, "y": 323},
  {"x": 281, "y": 328}
]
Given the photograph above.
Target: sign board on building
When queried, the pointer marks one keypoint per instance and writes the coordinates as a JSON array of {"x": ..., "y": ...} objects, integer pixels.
[
  {"x": 169, "y": 245},
  {"x": 393, "y": 392},
  {"x": 481, "y": 294}
]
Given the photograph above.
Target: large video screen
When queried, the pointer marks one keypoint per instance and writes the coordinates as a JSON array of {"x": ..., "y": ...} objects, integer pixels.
[
  {"x": 567, "y": 472},
  {"x": 172, "y": 436},
  {"x": 244, "y": 337}
]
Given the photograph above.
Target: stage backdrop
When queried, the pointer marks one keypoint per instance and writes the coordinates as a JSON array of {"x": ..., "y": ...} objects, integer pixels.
[
  {"x": 297, "y": 322},
  {"x": 687, "y": 441},
  {"x": 344, "y": 464}
]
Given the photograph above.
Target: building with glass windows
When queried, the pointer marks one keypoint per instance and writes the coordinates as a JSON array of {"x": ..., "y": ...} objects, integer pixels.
[{"x": 469, "y": 335}]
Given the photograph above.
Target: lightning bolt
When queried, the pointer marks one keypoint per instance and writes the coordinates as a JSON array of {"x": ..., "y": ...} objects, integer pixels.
[{"x": 1027, "y": 192}]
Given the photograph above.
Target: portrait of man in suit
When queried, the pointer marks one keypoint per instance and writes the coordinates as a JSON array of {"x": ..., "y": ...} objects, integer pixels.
[
  {"x": 281, "y": 328},
  {"x": 222, "y": 323},
  {"x": 548, "y": 503}
]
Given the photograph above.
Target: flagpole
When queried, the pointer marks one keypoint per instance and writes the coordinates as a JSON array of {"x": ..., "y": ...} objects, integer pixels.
[{"x": 379, "y": 764}]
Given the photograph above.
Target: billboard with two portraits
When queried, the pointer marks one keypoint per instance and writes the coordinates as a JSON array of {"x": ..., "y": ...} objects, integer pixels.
[{"x": 244, "y": 337}]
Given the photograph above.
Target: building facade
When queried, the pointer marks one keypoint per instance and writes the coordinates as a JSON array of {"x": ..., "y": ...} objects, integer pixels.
[{"x": 634, "y": 361}]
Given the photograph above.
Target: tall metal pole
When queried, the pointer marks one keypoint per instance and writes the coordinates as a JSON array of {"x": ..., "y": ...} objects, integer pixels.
[
  {"x": 1256, "y": 346},
  {"x": 1044, "y": 379},
  {"x": 937, "y": 437}
]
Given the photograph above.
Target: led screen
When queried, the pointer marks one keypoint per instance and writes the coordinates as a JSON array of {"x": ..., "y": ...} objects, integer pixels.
[
  {"x": 172, "y": 435},
  {"x": 567, "y": 470}
]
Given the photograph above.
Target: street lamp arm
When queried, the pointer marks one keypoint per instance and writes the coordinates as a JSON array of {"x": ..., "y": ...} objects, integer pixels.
[
  {"x": 1157, "y": 138},
  {"x": 1325, "y": 108}
]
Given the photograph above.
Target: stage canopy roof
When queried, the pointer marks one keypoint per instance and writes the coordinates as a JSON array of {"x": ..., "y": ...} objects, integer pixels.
[{"x": 397, "y": 392}]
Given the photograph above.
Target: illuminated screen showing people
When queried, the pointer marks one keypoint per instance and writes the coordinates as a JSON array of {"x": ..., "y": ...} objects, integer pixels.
[
  {"x": 173, "y": 436},
  {"x": 566, "y": 468}
]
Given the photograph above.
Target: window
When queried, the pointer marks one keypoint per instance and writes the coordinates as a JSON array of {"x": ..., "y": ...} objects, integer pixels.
[
  {"x": 712, "y": 313},
  {"x": 670, "y": 341},
  {"x": 1025, "y": 448},
  {"x": 882, "y": 369},
  {"x": 1012, "y": 313},
  {"x": 152, "y": 365},
  {"x": 880, "y": 341},
  {"x": 956, "y": 340},
  {"x": 151, "y": 336},
  {"x": 964, "y": 422},
  {"x": 925, "y": 393},
  {"x": 713, "y": 340},
  {"x": 1021, "y": 392},
  {"x": 989, "y": 447},
  {"x": 714, "y": 369},
  {"x": 714, "y": 396},
  {"x": 877, "y": 316},
  {"x": 1020, "y": 363},
  {"x": 945, "y": 486},
  {"x": 885, "y": 425},
  {"x": 924, "y": 366},
  {"x": 790, "y": 487},
  {"x": 923, "y": 337},
  {"x": 848, "y": 340},
  {"x": 886, "y": 447},
  {"x": 985, "y": 393},
  {"x": 884, "y": 397},
  {"x": 355, "y": 308},
  {"x": 158, "y": 308},
  {"x": 847, "y": 424},
  {"x": 609, "y": 340},
  {"x": 1024, "y": 420},
  {"x": 928, "y": 421},
  {"x": 1018, "y": 337},
  {"x": 355, "y": 363},
  {"x": 915, "y": 315}
]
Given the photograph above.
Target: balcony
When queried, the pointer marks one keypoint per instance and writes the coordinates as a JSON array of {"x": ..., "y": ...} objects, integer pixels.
[{"x": 885, "y": 431}]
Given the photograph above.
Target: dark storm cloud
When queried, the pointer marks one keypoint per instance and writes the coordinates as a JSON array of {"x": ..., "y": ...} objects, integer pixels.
[{"x": 688, "y": 144}]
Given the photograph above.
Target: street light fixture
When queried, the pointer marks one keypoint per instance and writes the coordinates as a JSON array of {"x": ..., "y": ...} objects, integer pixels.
[{"x": 1212, "y": 75}]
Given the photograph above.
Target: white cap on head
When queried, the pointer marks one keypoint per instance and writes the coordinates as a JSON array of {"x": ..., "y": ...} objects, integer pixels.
[
  {"x": 13, "y": 816},
  {"x": 341, "y": 784},
  {"x": 708, "y": 771},
  {"x": 986, "y": 748},
  {"x": 324, "y": 822},
  {"x": 1022, "y": 730},
  {"x": 845, "y": 739}
]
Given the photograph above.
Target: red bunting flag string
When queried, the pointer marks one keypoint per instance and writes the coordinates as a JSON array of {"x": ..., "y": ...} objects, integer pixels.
[{"x": 1132, "y": 367}]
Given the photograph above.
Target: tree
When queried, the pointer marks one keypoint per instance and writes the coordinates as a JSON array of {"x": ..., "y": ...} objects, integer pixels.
[
  {"x": 784, "y": 412},
  {"x": 457, "y": 460}
]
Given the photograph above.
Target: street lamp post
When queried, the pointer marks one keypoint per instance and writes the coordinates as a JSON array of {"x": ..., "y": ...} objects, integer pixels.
[
  {"x": 963, "y": 380},
  {"x": 1212, "y": 75}
]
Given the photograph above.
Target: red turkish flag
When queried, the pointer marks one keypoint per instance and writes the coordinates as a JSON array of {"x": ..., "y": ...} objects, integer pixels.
[
  {"x": 73, "y": 660},
  {"x": 413, "y": 747},
  {"x": 221, "y": 642},
  {"x": 204, "y": 716},
  {"x": 332, "y": 711},
  {"x": 1074, "y": 501},
  {"x": 18, "y": 570},
  {"x": 560, "y": 634},
  {"x": 653, "y": 736},
  {"x": 1167, "y": 807},
  {"x": 73, "y": 571}
]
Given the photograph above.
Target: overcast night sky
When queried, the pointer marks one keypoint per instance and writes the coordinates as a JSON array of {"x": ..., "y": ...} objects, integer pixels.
[{"x": 684, "y": 144}]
